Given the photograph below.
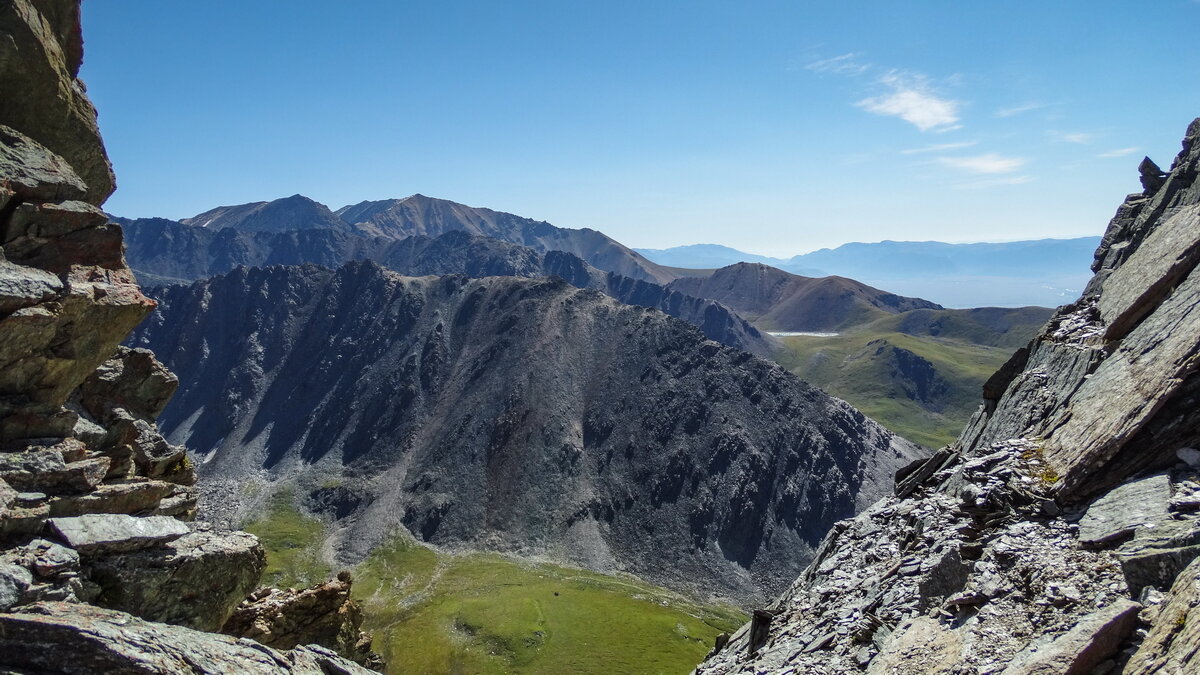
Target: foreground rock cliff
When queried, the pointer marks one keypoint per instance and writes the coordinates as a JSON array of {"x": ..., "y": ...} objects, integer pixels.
[
  {"x": 524, "y": 415},
  {"x": 1061, "y": 532},
  {"x": 101, "y": 568}
]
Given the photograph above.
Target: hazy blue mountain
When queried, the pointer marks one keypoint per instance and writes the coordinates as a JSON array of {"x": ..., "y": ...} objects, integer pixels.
[
  {"x": 705, "y": 256},
  {"x": 1042, "y": 272}
]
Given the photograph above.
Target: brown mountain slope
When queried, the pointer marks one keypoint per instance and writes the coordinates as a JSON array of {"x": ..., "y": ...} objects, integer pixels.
[{"x": 781, "y": 301}]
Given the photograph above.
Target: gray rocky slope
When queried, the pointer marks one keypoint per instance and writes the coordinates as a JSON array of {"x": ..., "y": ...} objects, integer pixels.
[
  {"x": 522, "y": 415},
  {"x": 163, "y": 252},
  {"x": 1060, "y": 533},
  {"x": 101, "y": 566}
]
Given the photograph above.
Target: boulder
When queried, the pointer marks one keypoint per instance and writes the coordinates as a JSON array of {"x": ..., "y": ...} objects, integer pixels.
[
  {"x": 196, "y": 580},
  {"x": 79, "y": 639},
  {"x": 323, "y": 614},
  {"x": 105, "y": 533}
]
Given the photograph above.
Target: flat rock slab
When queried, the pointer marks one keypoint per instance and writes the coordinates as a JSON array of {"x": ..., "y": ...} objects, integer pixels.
[
  {"x": 1096, "y": 637},
  {"x": 78, "y": 639},
  {"x": 1119, "y": 513},
  {"x": 102, "y": 533}
]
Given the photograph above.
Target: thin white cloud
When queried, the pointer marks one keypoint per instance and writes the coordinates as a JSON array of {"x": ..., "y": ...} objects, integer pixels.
[
  {"x": 1078, "y": 137},
  {"x": 1120, "y": 152},
  {"x": 993, "y": 182},
  {"x": 846, "y": 64},
  {"x": 1018, "y": 109},
  {"x": 938, "y": 147},
  {"x": 989, "y": 163},
  {"x": 913, "y": 100}
]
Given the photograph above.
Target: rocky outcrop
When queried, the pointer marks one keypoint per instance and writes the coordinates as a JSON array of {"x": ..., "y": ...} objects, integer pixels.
[
  {"x": 518, "y": 414},
  {"x": 1055, "y": 535},
  {"x": 324, "y": 614},
  {"x": 39, "y": 73},
  {"x": 93, "y": 500}
]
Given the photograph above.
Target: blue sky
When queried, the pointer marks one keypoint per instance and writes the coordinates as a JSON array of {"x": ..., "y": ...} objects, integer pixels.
[{"x": 774, "y": 127}]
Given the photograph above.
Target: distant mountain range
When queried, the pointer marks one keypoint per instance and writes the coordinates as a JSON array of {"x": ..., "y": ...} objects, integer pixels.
[
  {"x": 918, "y": 371},
  {"x": 1044, "y": 272}
]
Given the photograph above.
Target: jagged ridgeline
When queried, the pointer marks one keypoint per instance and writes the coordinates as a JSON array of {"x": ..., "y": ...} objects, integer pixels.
[
  {"x": 164, "y": 252},
  {"x": 1061, "y": 532},
  {"x": 524, "y": 415},
  {"x": 102, "y": 567}
]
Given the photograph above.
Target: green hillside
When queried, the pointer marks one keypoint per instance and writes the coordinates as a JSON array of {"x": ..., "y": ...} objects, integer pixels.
[{"x": 920, "y": 372}]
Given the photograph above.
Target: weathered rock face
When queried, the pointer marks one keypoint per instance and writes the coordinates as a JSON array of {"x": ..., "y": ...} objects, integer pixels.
[
  {"x": 93, "y": 500},
  {"x": 1068, "y": 504},
  {"x": 519, "y": 414},
  {"x": 39, "y": 68}
]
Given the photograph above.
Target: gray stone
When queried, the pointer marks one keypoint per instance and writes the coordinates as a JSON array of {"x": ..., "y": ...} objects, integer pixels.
[
  {"x": 1123, "y": 510},
  {"x": 1086, "y": 645},
  {"x": 1189, "y": 456},
  {"x": 79, "y": 639},
  {"x": 195, "y": 581},
  {"x": 100, "y": 533},
  {"x": 14, "y": 582}
]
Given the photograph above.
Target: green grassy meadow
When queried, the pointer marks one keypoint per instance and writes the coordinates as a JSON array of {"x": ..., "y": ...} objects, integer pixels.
[{"x": 434, "y": 612}]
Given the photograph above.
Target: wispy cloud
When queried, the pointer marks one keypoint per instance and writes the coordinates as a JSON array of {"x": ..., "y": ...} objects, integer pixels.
[
  {"x": 1018, "y": 109},
  {"x": 1078, "y": 137},
  {"x": 846, "y": 64},
  {"x": 989, "y": 163},
  {"x": 993, "y": 182},
  {"x": 938, "y": 147},
  {"x": 914, "y": 100},
  {"x": 1120, "y": 152}
]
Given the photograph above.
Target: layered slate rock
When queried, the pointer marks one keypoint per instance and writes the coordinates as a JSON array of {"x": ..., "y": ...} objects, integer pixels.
[
  {"x": 518, "y": 414},
  {"x": 1064, "y": 518}
]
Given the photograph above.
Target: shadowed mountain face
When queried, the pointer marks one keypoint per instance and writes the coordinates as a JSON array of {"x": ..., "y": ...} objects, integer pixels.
[
  {"x": 419, "y": 214},
  {"x": 167, "y": 252},
  {"x": 776, "y": 300},
  {"x": 515, "y": 414}
]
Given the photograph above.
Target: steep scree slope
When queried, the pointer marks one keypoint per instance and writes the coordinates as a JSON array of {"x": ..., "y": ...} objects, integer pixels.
[
  {"x": 515, "y": 414},
  {"x": 1063, "y": 520}
]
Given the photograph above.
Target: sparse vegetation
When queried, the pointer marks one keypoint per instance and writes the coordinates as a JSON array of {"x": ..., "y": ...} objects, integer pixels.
[{"x": 292, "y": 541}]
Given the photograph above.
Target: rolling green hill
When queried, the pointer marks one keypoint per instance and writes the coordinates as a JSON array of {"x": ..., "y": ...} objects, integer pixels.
[{"x": 918, "y": 372}]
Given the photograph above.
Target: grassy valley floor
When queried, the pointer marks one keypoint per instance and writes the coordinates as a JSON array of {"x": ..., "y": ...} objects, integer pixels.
[{"x": 434, "y": 612}]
